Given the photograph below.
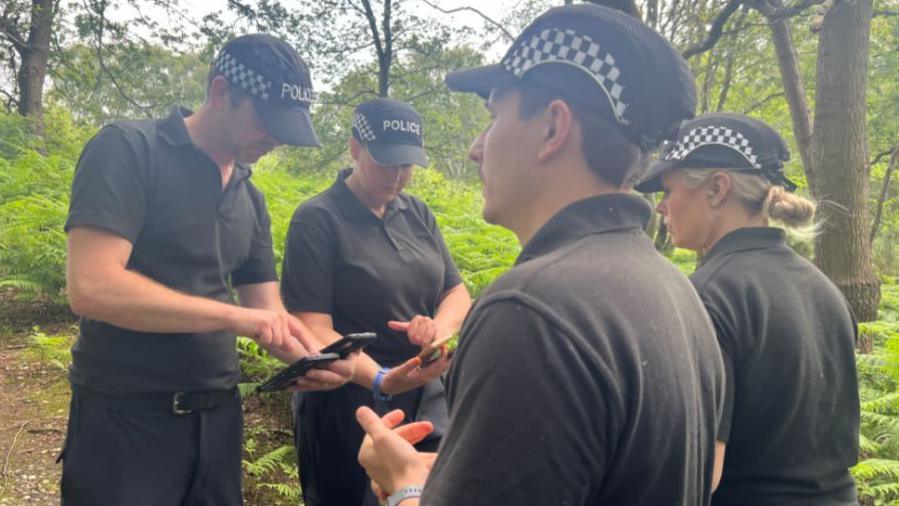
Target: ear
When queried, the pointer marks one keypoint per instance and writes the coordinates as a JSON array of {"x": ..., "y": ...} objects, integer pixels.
[
  {"x": 355, "y": 148},
  {"x": 556, "y": 127},
  {"x": 218, "y": 96},
  {"x": 719, "y": 187}
]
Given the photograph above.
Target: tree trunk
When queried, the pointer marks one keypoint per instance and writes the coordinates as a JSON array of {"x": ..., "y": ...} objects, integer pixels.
[
  {"x": 33, "y": 70},
  {"x": 839, "y": 156},
  {"x": 788, "y": 61},
  {"x": 383, "y": 41},
  {"x": 385, "y": 60}
]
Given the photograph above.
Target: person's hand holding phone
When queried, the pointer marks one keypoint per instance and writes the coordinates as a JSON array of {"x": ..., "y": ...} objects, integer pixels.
[{"x": 335, "y": 375}]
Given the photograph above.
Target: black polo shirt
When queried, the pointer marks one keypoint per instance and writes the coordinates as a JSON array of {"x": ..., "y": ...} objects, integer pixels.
[
  {"x": 586, "y": 375},
  {"x": 791, "y": 417},
  {"x": 147, "y": 182},
  {"x": 342, "y": 260}
]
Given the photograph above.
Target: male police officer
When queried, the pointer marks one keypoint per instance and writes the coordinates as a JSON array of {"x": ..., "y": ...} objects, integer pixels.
[
  {"x": 164, "y": 221},
  {"x": 589, "y": 373}
]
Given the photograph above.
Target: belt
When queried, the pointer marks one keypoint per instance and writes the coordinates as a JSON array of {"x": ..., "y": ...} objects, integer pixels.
[{"x": 179, "y": 403}]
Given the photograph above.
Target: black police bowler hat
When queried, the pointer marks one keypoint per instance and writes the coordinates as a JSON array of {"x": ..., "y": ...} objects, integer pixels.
[
  {"x": 277, "y": 80},
  {"x": 723, "y": 141},
  {"x": 601, "y": 58},
  {"x": 391, "y": 131}
]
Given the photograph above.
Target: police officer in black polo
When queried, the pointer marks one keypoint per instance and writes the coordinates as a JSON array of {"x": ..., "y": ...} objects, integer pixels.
[
  {"x": 164, "y": 222},
  {"x": 365, "y": 256},
  {"x": 789, "y": 431},
  {"x": 589, "y": 373}
]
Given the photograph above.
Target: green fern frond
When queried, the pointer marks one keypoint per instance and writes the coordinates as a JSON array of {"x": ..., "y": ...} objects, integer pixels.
[
  {"x": 885, "y": 405},
  {"x": 269, "y": 462},
  {"x": 886, "y": 493},
  {"x": 247, "y": 389},
  {"x": 21, "y": 282},
  {"x": 876, "y": 421},
  {"x": 867, "y": 446},
  {"x": 876, "y": 468},
  {"x": 288, "y": 492}
]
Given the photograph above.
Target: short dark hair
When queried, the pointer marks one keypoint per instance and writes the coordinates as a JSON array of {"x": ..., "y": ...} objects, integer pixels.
[
  {"x": 612, "y": 156},
  {"x": 237, "y": 94}
]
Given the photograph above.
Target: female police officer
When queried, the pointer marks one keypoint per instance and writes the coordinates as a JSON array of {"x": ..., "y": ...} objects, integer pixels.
[
  {"x": 362, "y": 256},
  {"x": 791, "y": 414}
]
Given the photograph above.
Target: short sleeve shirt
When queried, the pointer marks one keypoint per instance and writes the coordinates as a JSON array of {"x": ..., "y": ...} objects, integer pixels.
[
  {"x": 341, "y": 259},
  {"x": 148, "y": 183},
  {"x": 791, "y": 417},
  {"x": 588, "y": 374}
]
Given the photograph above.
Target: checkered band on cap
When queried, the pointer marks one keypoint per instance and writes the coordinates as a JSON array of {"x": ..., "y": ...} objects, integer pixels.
[
  {"x": 243, "y": 76},
  {"x": 360, "y": 123},
  {"x": 713, "y": 135},
  {"x": 567, "y": 46}
]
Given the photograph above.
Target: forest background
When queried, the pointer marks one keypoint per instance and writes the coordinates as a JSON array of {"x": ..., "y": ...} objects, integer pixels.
[{"x": 825, "y": 73}]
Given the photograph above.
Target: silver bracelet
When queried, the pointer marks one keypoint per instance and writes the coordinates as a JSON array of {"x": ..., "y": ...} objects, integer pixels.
[{"x": 403, "y": 494}]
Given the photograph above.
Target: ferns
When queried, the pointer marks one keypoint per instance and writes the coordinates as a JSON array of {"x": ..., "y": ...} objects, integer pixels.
[
  {"x": 877, "y": 475},
  {"x": 33, "y": 207},
  {"x": 278, "y": 463},
  {"x": 270, "y": 462},
  {"x": 52, "y": 349}
]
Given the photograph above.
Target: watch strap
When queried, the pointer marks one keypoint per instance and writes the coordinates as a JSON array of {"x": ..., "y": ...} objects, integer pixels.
[
  {"x": 376, "y": 385},
  {"x": 403, "y": 494}
]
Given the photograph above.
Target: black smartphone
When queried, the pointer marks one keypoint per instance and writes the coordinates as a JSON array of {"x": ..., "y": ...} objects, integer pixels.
[
  {"x": 350, "y": 343},
  {"x": 289, "y": 374}
]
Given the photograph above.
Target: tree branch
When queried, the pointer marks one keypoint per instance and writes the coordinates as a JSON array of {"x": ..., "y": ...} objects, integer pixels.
[
  {"x": 885, "y": 13},
  {"x": 373, "y": 26},
  {"x": 483, "y": 16},
  {"x": 8, "y": 28},
  {"x": 101, "y": 13},
  {"x": 883, "y": 154},
  {"x": 762, "y": 102},
  {"x": 787, "y": 11},
  {"x": 11, "y": 102},
  {"x": 715, "y": 31},
  {"x": 884, "y": 191}
]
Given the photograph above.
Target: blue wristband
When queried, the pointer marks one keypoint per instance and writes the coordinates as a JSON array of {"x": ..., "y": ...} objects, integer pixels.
[{"x": 376, "y": 385}]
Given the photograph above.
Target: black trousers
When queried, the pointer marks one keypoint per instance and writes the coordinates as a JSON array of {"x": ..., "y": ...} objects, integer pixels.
[
  {"x": 115, "y": 455},
  {"x": 328, "y": 437}
]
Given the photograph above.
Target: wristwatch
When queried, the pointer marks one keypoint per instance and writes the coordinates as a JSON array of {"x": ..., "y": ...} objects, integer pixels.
[
  {"x": 376, "y": 385},
  {"x": 403, "y": 494}
]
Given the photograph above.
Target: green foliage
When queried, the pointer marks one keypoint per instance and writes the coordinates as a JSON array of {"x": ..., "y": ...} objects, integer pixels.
[
  {"x": 52, "y": 349},
  {"x": 685, "y": 260},
  {"x": 33, "y": 206},
  {"x": 275, "y": 470},
  {"x": 877, "y": 473},
  {"x": 89, "y": 91}
]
